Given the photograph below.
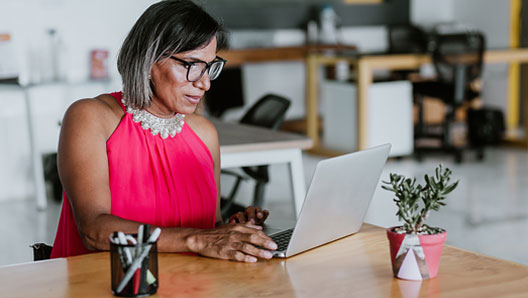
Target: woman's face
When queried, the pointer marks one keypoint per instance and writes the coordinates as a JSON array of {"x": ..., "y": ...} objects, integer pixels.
[{"x": 173, "y": 93}]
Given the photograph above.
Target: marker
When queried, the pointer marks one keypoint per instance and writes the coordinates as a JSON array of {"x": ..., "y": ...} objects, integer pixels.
[
  {"x": 143, "y": 273},
  {"x": 123, "y": 241},
  {"x": 139, "y": 240},
  {"x": 136, "y": 280},
  {"x": 115, "y": 240},
  {"x": 137, "y": 262}
]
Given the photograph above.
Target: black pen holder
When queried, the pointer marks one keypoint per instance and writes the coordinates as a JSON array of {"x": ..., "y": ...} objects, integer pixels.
[{"x": 141, "y": 280}]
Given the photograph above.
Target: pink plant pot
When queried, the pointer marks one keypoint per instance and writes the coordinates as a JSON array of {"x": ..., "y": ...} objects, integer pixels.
[{"x": 407, "y": 265}]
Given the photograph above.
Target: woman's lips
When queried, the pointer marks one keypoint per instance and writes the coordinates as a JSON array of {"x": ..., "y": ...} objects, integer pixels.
[{"x": 193, "y": 99}]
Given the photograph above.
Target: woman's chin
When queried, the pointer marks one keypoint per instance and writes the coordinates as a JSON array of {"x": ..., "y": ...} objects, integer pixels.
[{"x": 188, "y": 109}]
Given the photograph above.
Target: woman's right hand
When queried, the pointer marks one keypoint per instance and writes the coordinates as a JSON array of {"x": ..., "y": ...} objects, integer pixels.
[{"x": 237, "y": 242}]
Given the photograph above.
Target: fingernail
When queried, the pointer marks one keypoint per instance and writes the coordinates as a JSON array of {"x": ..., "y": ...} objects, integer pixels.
[
  {"x": 272, "y": 245},
  {"x": 252, "y": 259},
  {"x": 267, "y": 255}
]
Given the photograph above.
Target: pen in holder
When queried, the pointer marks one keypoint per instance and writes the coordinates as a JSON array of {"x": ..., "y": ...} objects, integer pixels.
[{"x": 134, "y": 264}]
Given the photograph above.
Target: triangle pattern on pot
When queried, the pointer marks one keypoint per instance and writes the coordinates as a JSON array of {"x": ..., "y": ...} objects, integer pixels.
[{"x": 409, "y": 267}]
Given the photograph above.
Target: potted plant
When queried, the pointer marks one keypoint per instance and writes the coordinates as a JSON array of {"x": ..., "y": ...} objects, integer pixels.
[{"x": 416, "y": 247}]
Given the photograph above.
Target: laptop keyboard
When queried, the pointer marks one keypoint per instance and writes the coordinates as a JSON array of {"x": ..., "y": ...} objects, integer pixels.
[{"x": 282, "y": 239}]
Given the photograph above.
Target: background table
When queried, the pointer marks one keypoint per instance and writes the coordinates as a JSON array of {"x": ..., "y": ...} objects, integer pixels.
[
  {"x": 355, "y": 266},
  {"x": 244, "y": 145}
]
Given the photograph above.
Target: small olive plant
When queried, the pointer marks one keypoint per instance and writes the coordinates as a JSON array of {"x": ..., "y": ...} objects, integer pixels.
[{"x": 409, "y": 194}]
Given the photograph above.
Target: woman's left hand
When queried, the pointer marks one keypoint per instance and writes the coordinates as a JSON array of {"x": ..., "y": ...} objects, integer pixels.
[{"x": 253, "y": 215}]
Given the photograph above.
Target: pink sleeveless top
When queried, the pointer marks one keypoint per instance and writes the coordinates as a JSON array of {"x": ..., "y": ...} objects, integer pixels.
[{"x": 163, "y": 182}]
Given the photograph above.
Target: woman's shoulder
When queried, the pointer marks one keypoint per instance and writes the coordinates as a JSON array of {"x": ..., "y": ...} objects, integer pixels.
[
  {"x": 103, "y": 112},
  {"x": 203, "y": 128},
  {"x": 104, "y": 103},
  {"x": 200, "y": 124}
]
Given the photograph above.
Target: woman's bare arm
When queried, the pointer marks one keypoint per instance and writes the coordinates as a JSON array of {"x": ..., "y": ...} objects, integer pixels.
[{"x": 208, "y": 134}]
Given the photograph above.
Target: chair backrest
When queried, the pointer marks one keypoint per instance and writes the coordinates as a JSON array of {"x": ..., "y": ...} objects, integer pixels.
[
  {"x": 269, "y": 112},
  {"x": 41, "y": 251},
  {"x": 457, "y": 59},
  {"x": 407, "y": 38}
]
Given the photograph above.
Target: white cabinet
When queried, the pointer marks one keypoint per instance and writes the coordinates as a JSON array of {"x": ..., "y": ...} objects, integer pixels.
[{"x": 390, "y": 116}]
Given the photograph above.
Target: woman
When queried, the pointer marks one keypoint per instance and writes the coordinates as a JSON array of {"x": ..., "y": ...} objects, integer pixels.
[{"x": 143, "y": 156}]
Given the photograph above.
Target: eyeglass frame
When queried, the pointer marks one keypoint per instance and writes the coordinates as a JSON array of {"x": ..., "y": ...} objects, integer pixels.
[{"x": 208, "y": 65}]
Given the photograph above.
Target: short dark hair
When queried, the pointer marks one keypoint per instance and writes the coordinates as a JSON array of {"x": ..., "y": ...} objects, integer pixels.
[{"x": 165, "y": 28}]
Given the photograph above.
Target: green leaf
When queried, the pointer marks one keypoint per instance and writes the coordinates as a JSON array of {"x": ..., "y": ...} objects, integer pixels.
[
  {"x": 450, "y": 188},
  {"x": 432, "y": 184},
  {"x": 426, "y": 178},
  {"x": 388, "y": 188}
]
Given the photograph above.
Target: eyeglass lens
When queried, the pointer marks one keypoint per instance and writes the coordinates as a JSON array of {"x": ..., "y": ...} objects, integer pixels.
[{"x": 197, "y": 70}]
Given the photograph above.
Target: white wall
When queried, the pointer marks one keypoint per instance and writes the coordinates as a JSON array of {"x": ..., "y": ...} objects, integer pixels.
[
  {"x": 492, "y": 17},
  {"x": 82, "y": 26},
  {"x": 489, "y": 16},
  {"x": 432, "y": 11},
  {"x": 15, "y": 162}
]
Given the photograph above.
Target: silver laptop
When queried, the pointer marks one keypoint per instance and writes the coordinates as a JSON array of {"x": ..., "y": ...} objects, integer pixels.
[{"x": 336, "y": 202}]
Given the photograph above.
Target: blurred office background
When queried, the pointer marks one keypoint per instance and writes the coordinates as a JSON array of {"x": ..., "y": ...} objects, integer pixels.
[{"x": 52, "y": 43}]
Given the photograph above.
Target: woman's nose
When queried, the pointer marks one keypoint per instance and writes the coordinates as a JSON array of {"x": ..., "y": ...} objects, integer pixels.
[{"x": 204, "y": 82}]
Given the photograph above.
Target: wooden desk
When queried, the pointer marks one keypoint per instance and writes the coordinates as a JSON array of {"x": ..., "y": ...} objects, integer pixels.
[
  {"x": 365, "y": 66},
  {"x": 243, "y": 145},
  {"x": 356, "y": 266}
]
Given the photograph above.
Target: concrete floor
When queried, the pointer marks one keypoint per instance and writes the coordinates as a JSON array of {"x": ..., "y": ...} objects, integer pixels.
[{"x": 487, "y": 213}]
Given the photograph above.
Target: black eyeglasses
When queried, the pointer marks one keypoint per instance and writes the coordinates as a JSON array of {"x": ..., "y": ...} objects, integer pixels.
[{"x": 196, "y": 69}]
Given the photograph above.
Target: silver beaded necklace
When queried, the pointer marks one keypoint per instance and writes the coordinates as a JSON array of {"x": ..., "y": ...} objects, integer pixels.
[{"x": 163, "y": 126}]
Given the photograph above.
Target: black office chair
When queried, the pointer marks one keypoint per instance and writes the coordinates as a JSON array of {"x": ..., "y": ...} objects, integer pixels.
[
  {"x": 457, "y": 59},
  {"x": 406, "y": 39},
  {"x": 268, "y": 112}
]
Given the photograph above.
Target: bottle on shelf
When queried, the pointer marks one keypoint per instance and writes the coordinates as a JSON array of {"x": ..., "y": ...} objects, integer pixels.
[{"x": 328, "y": 22}]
